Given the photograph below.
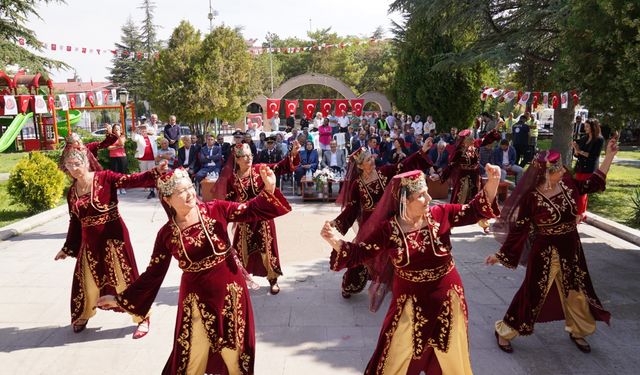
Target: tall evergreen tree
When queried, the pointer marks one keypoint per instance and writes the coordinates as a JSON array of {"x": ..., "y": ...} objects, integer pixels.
[
  {"x": 148, "y": 32},
  {"x": 13, "y": 16},
  {"x": 127, "y": 70}
]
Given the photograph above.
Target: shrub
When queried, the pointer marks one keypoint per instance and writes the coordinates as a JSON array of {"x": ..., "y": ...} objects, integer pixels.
[
  {"x": 133, "y": 165},
  {"x": 36, "y": 183},
  {"x": 635, "y": 216}
]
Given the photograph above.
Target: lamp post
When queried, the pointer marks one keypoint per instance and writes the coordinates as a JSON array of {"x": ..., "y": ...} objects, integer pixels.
[{"x": 123, "y": 97}]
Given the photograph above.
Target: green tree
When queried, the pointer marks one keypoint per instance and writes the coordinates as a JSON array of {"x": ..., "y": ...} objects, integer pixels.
[
  {"x": 13, "y": 16},
  {"x": 601, "y": 57},
  {"x": 449, "y": 95},
  {"x": 148, "y": 32},
  {"x": 222, "y": 75},
  {"x": 127, "y": 70},
  {"x": 169, "y": 79}
]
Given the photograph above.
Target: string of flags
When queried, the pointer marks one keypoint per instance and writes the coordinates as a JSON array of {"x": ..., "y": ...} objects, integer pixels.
[
  {"x": 141, "y": 55},
  {"x": 548, "y": 99},
  {"x": 119, "y": 53},
  {"x": 42, "y": 104},
  {"x": 319, "y": 47}
]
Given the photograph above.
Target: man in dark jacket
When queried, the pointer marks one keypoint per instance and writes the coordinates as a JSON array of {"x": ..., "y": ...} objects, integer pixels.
[
  {"x": 225, "y": 146},
  {"x": 291, "y": 122},
  {"x": 188, "y": 156},
  {"x": 172, "y": 132},
  {"x": 210, "y": 158}
]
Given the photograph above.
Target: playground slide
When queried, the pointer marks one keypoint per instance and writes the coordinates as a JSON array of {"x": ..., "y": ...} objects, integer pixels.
[
  {"x": 10, "y": 134},
  {"x": 74, "y": 117}
]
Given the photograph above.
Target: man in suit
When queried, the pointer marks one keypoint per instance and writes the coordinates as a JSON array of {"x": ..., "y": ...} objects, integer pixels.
[
  {"x": 439, "y": 157},
  {"x": 505, "y": 157},
  {"x": 334, "y": 158},
  {"x": 188, "y": 156},
  {"x": 359, "y": 142},
  {"x": 210, "y": 158},
  {"x": 226, "y": 147}
]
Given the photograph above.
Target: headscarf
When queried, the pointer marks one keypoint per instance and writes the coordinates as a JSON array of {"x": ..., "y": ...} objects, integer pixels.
[
  {"x": 543, "y": 163},
  {"x": 74, "y": 145}
]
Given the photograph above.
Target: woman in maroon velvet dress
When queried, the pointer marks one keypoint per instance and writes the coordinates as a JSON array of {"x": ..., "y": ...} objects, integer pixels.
[
  {"x": 214, "y": 327},
  {"x": 464, "y": 167},
  {"x": 97, "y": 235},
  {"x": 541, "y": 215},
  {"x": 255, "y": 241},
  {"x": 361, "y": 190},
  {"x": 425, "y": 329}
]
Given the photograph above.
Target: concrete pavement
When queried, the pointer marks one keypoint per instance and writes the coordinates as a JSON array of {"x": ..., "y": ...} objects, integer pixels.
[{"x": 308, "y": 327}]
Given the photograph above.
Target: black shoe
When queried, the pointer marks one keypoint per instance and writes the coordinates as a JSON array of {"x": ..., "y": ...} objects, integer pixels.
[
  {"x": 152, "y": 194},
  {"x": 505, "y": 348},
  {"x": 585, "y": 348}
]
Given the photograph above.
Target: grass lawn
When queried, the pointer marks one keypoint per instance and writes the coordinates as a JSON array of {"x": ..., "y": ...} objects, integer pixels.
[
  {"x": 615, "y": 203},
  {"x": 634, "y": 155},
  {"x": 9, "y": 212},
  {"x": 8, "y": 161}
]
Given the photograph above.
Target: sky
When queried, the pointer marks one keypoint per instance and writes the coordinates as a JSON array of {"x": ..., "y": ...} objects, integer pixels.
[{"x": 96, "y": 24}]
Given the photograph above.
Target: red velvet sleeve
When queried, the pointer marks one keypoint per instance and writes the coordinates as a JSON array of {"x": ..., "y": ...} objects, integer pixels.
[
  {"x": 135, "y": 180},
  {"x": 74, "y": 234},
  {"x": 264, "y": 206},
  {"x": 350, "y": 213},
  {"x": 139, "y": 296},
  {"x": 453, "y": 163},
  {"x": 418, "y": 160},
  {"x": 287, "y": 165},
  {"x": 354, "y": 254},
  {"x": 93, "y": 147},
  {"x": 511, "y": 249},
  {"x": 457, "y": 215},
  {"x": 594, "y": 184}
]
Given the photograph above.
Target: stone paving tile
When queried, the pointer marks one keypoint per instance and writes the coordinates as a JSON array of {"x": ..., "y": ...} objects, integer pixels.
[{"x": 308, "y": 328}]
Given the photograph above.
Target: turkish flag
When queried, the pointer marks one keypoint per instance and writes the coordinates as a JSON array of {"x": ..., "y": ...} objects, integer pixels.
[
  {"x": 72, "y": 101},
  {"x": 40, "y": 106},
  {"x": 51, "y": 102},
  {"x": 341, "y": 107},
  {"x": 555, "y": 101},
  {"x": 91, "y": 99},
  {"x": 23, "y": 103},
  {"x": 325, "y": 106},
  {"x": 273, "y": 107},
  {"x": 291, "y": 106},
  {"x": 536, "y": 98},
  {"x": 356, "y": 106},
  {"x": 574, "y": 96},
  {"x": 309, "y": 106},
  {"x": 10, "y": 105}
]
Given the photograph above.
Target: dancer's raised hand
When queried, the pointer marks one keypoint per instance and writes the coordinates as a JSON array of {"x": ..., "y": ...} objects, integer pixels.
[
  {"x": 61, "y": 255},
  {"x": 268, "y": 177}
]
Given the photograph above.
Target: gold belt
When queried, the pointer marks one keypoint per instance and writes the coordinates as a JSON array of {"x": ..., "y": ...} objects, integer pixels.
[
  {"x": 92, "y": 221},
  {"x": 204, "y": 264},
  {"x": 557, "y": 229},
  {"x": 429, "y": 274}
]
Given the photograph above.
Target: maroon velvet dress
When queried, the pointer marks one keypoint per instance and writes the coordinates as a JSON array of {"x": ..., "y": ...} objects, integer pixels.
[
  {"x": 464, "y": 170},
  {"x": 364, "y": 199},
  {"x": 424, "y": 275},
  {"x": 256, "y": 239},
  {"x": 212, "y": 281},
  {"x": 550, "y": 225},
  {"x": 97, "y": 232}
]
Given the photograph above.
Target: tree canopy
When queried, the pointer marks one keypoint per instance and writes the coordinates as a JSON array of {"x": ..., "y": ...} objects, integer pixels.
[{"x": 13, "y": 16}]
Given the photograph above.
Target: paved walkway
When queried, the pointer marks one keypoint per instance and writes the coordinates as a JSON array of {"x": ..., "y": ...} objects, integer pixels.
[{"x": 308, "y": 328}]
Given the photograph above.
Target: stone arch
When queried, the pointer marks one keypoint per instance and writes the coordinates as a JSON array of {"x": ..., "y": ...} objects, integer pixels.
[
  {"x": 379, "y": 98},
  {"x": 313, "y": 79}
]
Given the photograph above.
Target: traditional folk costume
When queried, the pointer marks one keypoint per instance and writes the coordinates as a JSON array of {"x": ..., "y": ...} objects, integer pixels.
[
  {"x": 557, "y": 284},
  {"x": 464, "y": 168},
  {"x": 358, "y": 198},
  {"x": 425, "y": 328},
  {"x": 214, "y": 323},
  {"x": 98, "y": 238},
  {"x": 255, "y": 241}
]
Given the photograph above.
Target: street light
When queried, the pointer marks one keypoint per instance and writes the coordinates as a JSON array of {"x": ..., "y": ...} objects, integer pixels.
[{"x": 123, "y": 97}]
